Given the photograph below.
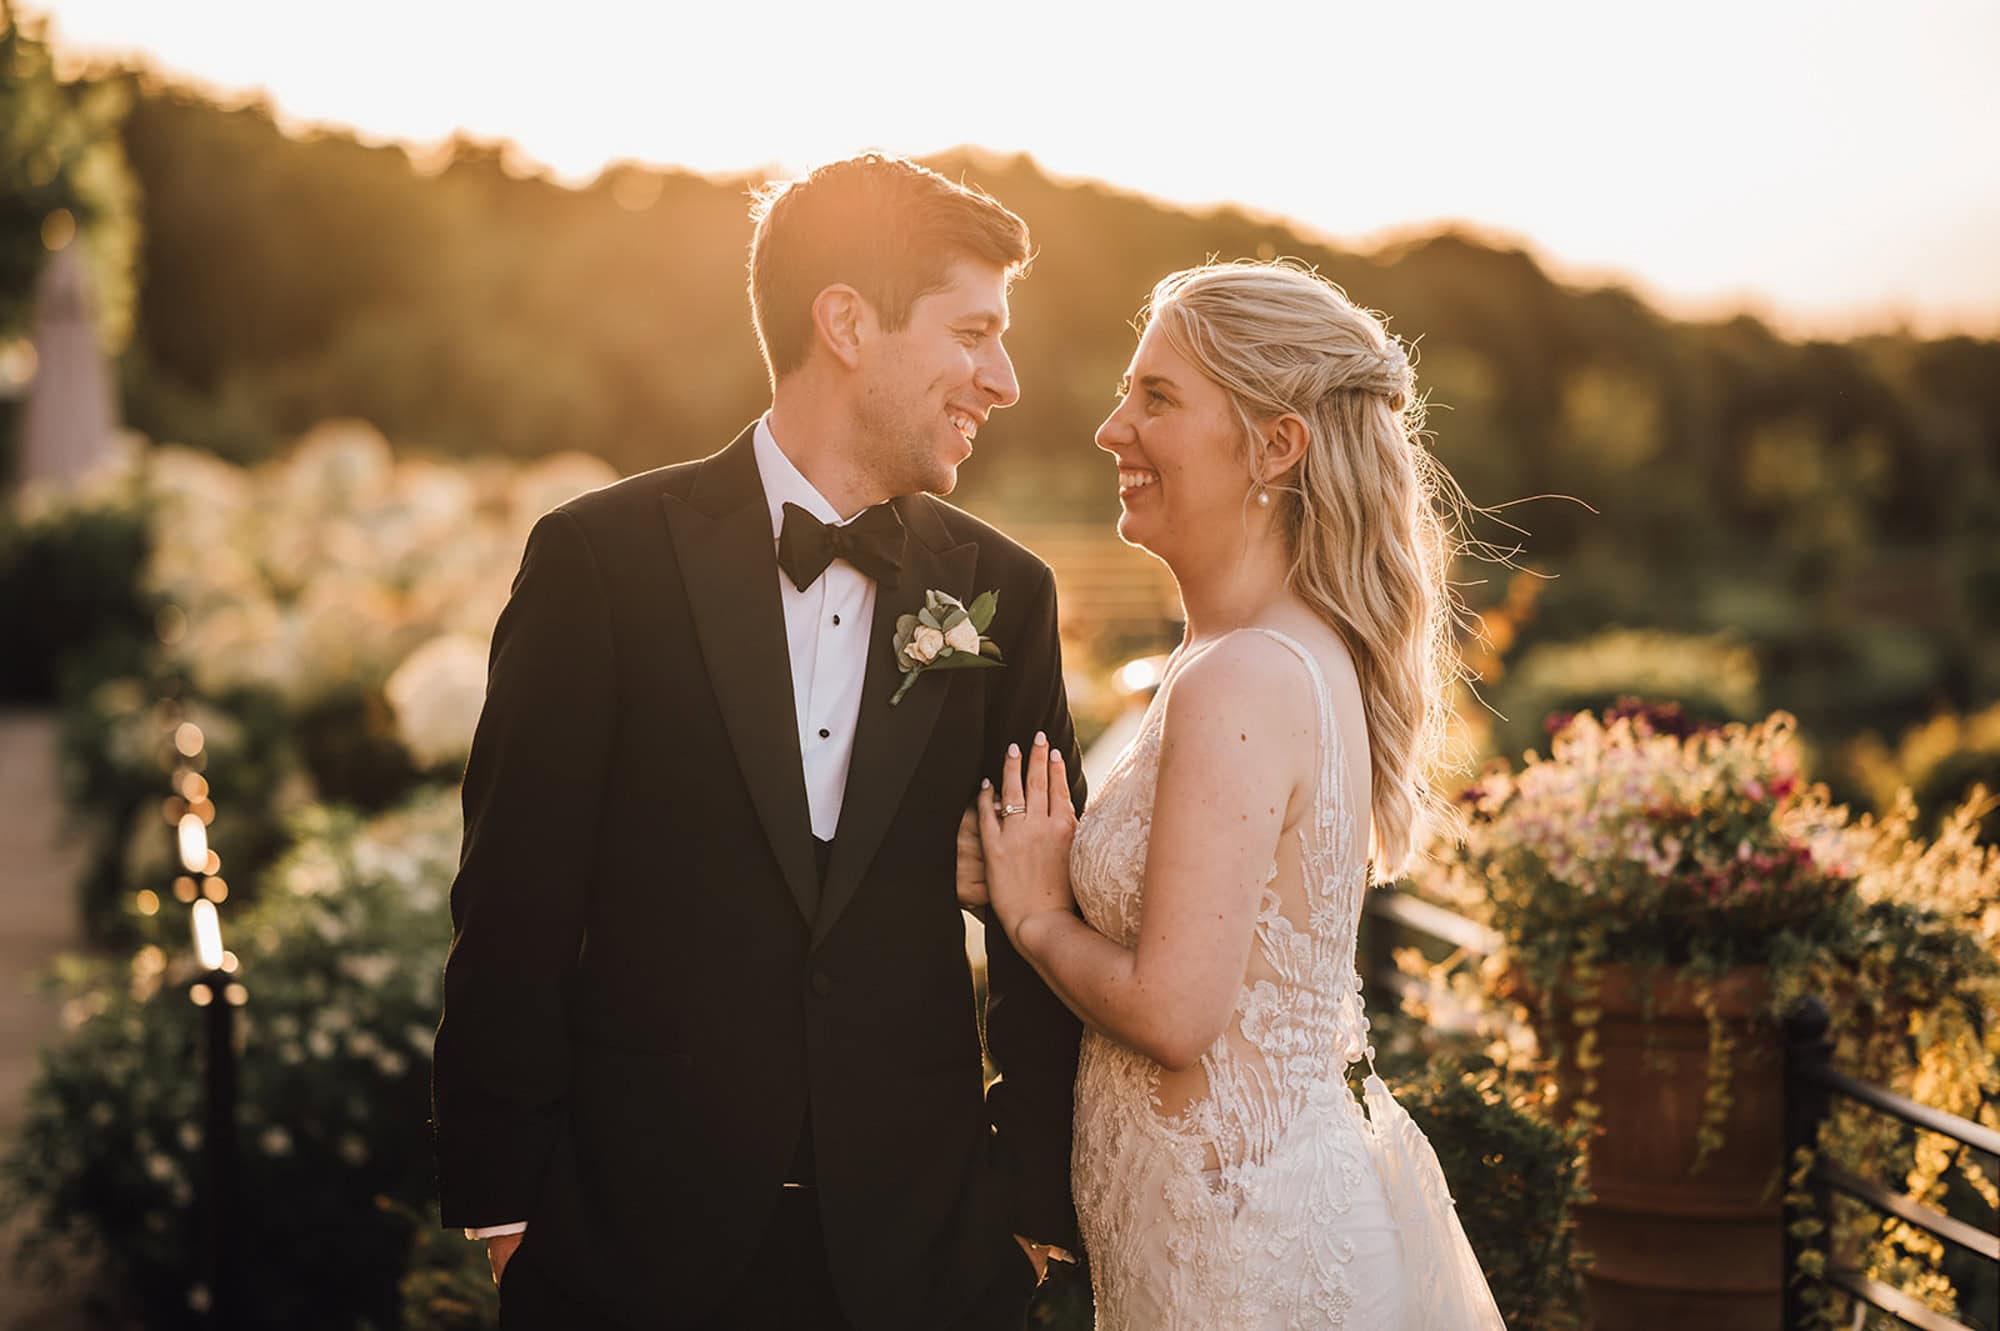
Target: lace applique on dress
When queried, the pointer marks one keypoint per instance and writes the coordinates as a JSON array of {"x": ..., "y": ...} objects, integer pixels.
[{"x": 1258, "y": 1202}]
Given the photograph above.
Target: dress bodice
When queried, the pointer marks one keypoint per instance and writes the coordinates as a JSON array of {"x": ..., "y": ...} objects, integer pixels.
[
  {"x": 1222, "y": 1202},
  {"x": 1299, "y": 1016}
]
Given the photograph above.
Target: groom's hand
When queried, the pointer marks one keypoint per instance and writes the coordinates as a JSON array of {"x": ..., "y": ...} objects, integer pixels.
[
  {"x": 971, "y": 861},
  {"x": 500, "y": 1251},
  {"x": 1041, "y": 1254},
  {"x": 1038, "y": 1257}
]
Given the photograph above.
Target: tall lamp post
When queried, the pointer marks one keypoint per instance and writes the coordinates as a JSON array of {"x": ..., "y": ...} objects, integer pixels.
[{"x": 218, "y": 994}]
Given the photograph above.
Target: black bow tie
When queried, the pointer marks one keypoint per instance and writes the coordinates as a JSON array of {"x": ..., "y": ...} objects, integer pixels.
[{"x": 872, "y": 543}]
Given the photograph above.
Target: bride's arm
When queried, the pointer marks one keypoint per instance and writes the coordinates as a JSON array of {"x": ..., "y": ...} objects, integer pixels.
[{"x": 1237, "y": 745}]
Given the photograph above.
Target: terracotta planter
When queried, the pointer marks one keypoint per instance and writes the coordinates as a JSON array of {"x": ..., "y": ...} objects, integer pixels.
[{"x": 1675, "y": 1248}]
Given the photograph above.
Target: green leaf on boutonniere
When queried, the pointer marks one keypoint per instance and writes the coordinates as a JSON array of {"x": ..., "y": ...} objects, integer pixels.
[{"x": 936, "y": 638}]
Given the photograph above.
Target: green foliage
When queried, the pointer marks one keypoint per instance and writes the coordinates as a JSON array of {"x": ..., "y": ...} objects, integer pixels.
[
  {"x": 342, "y": 948},
  {"x": 1710, "y": 677},
  {"x": 1939, "y": 762},
  {"x": 1517, "y": 1177},
  {"x": 71, "y": 596},
  {"x": 60, "y": 154},
  {"x": 448, "y": 1283},
  {"x": 117, "y": 760}
]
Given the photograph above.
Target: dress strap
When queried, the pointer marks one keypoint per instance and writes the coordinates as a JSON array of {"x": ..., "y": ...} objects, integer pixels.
[
  {"x": 1329, "y": 733},
  {"x": 1329, "y": 800},
  {"x": 1298, "y": 650},
  {"x": 1330, "y": 797}
]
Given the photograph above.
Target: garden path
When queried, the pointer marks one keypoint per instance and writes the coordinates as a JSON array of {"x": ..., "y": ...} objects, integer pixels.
[{"x": 38, "y": 918}]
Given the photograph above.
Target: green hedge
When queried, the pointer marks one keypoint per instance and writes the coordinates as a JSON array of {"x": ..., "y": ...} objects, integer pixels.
[{"x": 71, "y": 598}]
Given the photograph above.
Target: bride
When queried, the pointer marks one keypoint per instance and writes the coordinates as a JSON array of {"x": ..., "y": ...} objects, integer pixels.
[{"x": 1225, "y": 1174}]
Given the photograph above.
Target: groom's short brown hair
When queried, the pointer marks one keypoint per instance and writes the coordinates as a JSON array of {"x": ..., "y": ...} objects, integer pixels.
[{"x": 881, "y": 224}]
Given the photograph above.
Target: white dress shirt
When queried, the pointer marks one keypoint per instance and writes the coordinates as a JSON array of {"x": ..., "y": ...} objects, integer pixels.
[{"x": 826, "y": 628}]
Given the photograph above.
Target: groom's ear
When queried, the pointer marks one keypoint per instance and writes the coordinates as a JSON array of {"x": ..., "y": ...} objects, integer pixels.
[{"x": 840, "y": 322}]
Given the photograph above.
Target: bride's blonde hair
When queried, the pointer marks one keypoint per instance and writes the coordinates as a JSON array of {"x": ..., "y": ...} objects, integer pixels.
[{"x": 1368, "y": 512}]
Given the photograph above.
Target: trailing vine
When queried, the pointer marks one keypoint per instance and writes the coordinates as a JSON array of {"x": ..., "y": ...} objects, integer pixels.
[{"x": 1716, "y": 1098}]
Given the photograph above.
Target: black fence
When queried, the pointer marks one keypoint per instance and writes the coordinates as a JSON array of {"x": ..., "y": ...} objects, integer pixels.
[
  {"x": 1810, "y": 1086},
  {"x": 1391, "y": 916}
]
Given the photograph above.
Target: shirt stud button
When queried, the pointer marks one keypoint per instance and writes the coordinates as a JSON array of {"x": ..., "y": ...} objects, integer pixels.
[
  {"x": 836, "y": 621},
  {"x": 825, "y": 734}
]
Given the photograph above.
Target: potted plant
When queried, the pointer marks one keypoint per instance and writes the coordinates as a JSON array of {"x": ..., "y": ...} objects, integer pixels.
[{"x": 1647, "y": 876}]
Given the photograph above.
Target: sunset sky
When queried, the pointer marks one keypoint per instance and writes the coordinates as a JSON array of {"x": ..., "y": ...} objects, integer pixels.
[{"x": 1829, "y": 165}]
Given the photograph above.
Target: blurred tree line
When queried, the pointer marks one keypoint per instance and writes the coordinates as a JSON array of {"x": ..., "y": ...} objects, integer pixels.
[
  {"x": 61, "y": 175},
  {"x": 1833, "y": 506},
  {"x": 62, "y": 178}
]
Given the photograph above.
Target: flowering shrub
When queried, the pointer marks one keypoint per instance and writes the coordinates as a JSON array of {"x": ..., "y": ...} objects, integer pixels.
[
  {"x": 327, "y": 611},
  {"x": 1661, "y": 847},
  {"x": 321, "y": 572},
  {"x": 343, "y": 951}
]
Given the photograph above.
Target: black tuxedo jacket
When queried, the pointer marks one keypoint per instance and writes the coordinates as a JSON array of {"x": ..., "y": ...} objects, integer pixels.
[{"x": 648, "y": 983}]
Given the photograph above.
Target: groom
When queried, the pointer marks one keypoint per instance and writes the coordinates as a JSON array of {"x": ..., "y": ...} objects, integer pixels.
[{"x": 709, "y": 1055}]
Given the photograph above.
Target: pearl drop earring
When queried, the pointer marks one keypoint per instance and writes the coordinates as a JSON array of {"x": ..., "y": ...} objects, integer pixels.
[{"x": 1263, "y": 498}]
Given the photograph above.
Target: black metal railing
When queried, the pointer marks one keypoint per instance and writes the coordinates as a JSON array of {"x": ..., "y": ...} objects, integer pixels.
[
  {"x": 1388, "y": 916},
  {"x": 1810, "y": 1086}
]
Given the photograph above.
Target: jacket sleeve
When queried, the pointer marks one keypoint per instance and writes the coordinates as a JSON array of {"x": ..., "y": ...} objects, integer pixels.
[
  {"x": 534, "y": 787},
  {"x": 1031, "y": 1036}
]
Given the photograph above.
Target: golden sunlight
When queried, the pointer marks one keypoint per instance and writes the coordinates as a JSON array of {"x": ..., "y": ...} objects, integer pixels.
[{"x": 1822, "y": 167}]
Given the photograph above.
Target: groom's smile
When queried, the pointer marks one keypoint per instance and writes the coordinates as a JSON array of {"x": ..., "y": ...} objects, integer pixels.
[{"x": 952, "y": 346}]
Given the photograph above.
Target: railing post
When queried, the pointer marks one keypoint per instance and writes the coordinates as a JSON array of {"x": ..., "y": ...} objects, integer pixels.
[
  {"x": 1807, "y": 1103},
  {"x": 1377, "y": 941}
]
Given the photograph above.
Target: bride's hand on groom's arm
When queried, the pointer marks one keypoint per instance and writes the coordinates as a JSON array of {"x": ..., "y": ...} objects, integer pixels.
[{"x": 1025, "y": 830}]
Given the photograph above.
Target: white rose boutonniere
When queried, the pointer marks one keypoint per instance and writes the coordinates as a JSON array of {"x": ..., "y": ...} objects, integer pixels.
[{"x": 945, "y": 635}]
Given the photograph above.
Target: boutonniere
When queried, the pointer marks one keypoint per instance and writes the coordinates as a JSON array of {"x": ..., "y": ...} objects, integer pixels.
[{"x": 945, "y": 635}]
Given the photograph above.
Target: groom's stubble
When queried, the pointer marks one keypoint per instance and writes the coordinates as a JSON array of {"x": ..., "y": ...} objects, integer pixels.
[
  {"x": 897, "y": 436},
  {"x": 946, "y": 360}
]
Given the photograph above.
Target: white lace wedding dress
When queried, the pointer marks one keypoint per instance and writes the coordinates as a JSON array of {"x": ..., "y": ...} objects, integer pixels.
[{"x": 1254, "y": 1192}]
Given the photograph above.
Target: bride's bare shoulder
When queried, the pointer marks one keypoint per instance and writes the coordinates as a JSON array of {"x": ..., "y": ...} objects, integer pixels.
[{"x": 1249, "y": 681}]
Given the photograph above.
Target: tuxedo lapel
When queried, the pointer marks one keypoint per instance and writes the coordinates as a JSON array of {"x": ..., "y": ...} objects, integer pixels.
[
  {"x": 722, "y": 539},
  {"x": 889, "y": 741}
]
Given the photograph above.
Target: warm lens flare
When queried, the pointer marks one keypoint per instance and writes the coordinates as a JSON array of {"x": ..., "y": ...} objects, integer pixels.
[
  {"x": 194, "y": 843},
  {"x": 207, "y": 934}
]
